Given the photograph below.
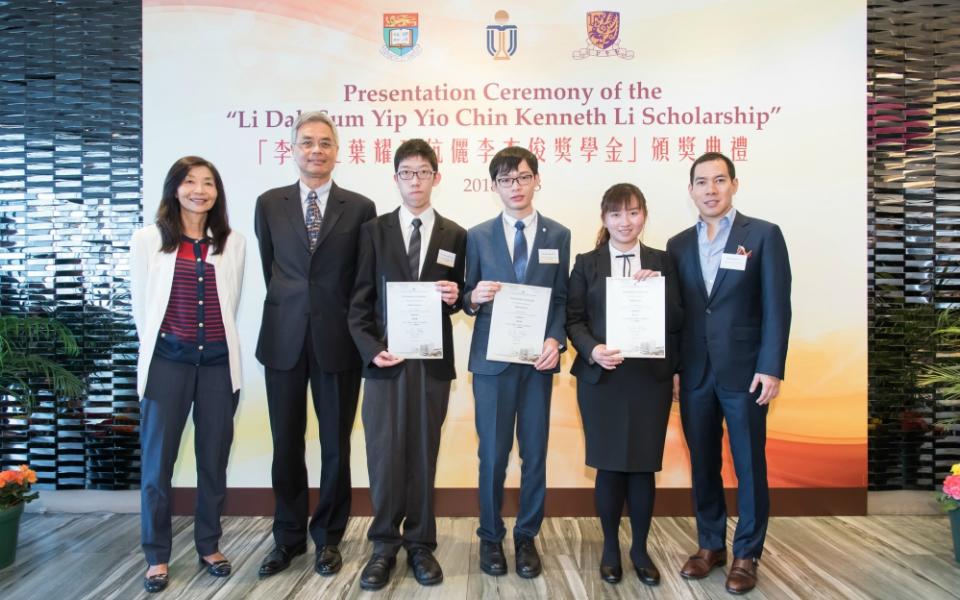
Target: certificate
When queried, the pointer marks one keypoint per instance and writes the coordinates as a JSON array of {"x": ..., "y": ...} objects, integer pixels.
[
  {"x": 413, "y": 320},
  {"x": 636, "y": 316},
  {"x": 519, "y": 323}
]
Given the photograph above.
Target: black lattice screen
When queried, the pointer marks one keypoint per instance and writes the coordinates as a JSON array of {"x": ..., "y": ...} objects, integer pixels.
[
  {"x": 70, "y": 150},
  {"x": 913, "y": 83}
]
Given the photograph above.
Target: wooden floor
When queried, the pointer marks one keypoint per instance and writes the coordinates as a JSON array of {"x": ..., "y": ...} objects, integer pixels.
[{"x": 97, "y": 556}]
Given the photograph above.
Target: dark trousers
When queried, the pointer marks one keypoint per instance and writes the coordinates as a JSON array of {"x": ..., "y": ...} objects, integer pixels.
[
  {"x": 703, "y": 410},
  {"x": 172, "y": 388},
  {"x": 335, "y": 403},
  {"x": 402, "y": 418},
  {"x": 611, "y": 489},
  {"x": 518, "y": 397}
]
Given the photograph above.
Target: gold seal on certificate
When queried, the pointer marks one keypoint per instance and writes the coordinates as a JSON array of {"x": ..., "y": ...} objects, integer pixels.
[
  {"x": 518, "y": 323},
  {"x": 636, "y": 316},
  {"x": 413, "y": 320}
]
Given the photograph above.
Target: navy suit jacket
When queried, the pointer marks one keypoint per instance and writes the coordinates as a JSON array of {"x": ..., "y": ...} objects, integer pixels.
[
  {"x": 742, "y": 327},
  {"x": 587, "y": 311},
  {"x": 383, "y": 258},
  {"x": 304, "y": 287},
  {"x": 488, "y": 259}
]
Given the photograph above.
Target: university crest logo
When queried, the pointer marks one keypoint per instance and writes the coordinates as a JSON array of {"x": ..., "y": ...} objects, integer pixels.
[
  {"x": 501, "y": 38},
  {"x": 603, "y": 36},
  {"x": 400, "y": 35}
]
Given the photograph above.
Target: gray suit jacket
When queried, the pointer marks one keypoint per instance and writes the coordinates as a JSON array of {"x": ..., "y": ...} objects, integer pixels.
[{"x": 488, "y": 259}]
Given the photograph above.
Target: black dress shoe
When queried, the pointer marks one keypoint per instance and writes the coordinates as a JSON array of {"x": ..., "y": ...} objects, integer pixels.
[
  {"x": 528, "y": 561},
  {"x": 611, "y": 573},
  {"x": 648, "y": 575},
  {"x": 492, "y": 560},
  {"x": 279, "y": 558},
  {"x": 328, "y": 561},
  {"x": 377, "y": 572},
  {"x": 156, "y": 583},
  {"x": 219, "y": 568},
  {"x": 426, "y": 569}
]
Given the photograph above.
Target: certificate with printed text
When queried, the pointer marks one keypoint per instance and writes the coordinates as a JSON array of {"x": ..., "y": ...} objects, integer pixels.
[
  {"x": 636, "y": 316},
  {"x": 518, "y": 324},
  {"x": 414, "y": 314}
]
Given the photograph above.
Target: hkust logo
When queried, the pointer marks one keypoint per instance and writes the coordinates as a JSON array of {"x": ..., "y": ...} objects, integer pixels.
[
  {"x": 501, "y": 38},
  {"x": 603, "y": 36},
  {"x": 400, "y": 35}
]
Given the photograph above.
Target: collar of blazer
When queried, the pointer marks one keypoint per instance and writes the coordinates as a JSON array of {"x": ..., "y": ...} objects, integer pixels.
[
  {"x": 396, "y": 239},
  {"x": 331, "y": 214},
  {"x": 739, "y": 231}
]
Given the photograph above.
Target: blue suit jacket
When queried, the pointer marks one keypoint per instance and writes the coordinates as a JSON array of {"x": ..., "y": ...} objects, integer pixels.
[
  {"x": 743, "y": 325},
  {"x": 488, "y": 259}
]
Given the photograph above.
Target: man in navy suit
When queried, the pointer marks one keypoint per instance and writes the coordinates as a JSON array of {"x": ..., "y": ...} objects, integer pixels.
[
  {"x": 518, "y": 246},
  {"x": 735, "y": 283}
]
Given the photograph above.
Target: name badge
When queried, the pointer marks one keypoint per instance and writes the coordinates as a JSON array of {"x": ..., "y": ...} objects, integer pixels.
[
  {"x": 446, "y": 258},
  {"x": 549, "y": 256},
  {"x": 737, "y": 262}
]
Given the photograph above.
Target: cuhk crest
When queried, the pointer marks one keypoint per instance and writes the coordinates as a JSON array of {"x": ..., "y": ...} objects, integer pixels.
[
  {"x": 603, "y": 36},
  {"x": 401, "y": 32},
  {"x": 502, "y": 37}
]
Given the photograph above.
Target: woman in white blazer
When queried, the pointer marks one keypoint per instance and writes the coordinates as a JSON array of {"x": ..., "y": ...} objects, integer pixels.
[{"x": 186, "y": 272}]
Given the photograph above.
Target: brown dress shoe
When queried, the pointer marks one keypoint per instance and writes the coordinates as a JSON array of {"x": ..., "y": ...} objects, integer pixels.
[
  {"x": 700, "y": 564},
  {"x": 743, "y": 576}
]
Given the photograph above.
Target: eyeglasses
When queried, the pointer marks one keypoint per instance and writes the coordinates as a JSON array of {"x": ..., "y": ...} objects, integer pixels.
[
  {"x": 406, "y": 175},
  {"x": 506, "y": 182},
  {"x": 325, "y": 145}
]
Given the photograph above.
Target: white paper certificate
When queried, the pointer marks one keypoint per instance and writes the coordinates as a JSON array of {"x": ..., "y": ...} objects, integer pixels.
[
  {"x": 414, "y": 313},
  {"x": 518, "y": 324},
  {"x": 636, "y": 316}
]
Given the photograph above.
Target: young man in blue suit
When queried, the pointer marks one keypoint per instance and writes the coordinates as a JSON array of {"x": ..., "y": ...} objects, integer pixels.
[
  {"x": 735, "y": 283},
  {"x": 518, "y": 246}
]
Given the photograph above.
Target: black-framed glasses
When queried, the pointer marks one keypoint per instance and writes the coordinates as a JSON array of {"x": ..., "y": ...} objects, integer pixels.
[
  {"x": 407, "y": 175},
  {"x": 524, "y": 180}
]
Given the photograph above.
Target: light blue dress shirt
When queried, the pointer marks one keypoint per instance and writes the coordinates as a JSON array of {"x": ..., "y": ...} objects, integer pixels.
[{"x": 711, "y": 250}]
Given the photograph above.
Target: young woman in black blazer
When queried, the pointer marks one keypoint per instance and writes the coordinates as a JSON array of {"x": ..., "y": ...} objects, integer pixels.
[{"x": 624, "y": 403}]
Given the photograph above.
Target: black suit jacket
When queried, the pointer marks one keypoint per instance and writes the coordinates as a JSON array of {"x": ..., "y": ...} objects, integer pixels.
[
  {"x": 587, "y": 311},
  {"x": 309, "y": 288},
  {"x": 743, "y": 326},
  {"x": 383, "y": 258}
]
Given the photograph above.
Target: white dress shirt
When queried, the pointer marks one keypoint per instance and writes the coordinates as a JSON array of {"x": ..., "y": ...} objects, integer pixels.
[
  {"x": 427, "y": 218},
  {"x": 529, "y": 231},
  {"x": 616, "y": 264},
  {"x": 323, "y": 193}
]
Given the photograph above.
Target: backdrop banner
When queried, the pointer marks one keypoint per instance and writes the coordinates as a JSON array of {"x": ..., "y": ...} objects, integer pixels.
[{"x": 602, "y": 94}]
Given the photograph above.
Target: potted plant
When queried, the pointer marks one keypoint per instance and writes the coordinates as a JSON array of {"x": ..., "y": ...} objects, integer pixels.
[
  {"x": 24, "y": 370},
  {"x": 949, "y": 500},
  {"x": 14, "y": 494}
]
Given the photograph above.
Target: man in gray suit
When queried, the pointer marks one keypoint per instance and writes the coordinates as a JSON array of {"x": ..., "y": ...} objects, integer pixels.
[
  {"x": 308, "y": 234},
  {"x": 518, "y": 246}
]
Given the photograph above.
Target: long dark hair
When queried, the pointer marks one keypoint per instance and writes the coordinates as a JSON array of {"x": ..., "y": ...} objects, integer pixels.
[
  {"x": 618, "y": 197},
  {"x": 168, "y": 215}
]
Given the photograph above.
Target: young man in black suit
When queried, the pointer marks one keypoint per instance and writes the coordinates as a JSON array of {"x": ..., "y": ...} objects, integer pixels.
[
  {"x": 308, "y": 236},
  {"x": 405, "y": 401}
]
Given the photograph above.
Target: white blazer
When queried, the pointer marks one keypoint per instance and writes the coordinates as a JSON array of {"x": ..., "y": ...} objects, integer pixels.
[{"x": 151, "y": 279}]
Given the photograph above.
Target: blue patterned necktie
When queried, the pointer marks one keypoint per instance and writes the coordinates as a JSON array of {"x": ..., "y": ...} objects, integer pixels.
[
  {"x": 519, "y": 252},
  {"x": 313, "y": 220}
]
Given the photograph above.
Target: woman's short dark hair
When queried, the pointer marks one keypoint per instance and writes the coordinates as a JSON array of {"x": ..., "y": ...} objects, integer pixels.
[{"x": 168, "y": 214}]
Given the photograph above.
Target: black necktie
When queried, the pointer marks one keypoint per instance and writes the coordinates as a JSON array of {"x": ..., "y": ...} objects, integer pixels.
[
  {"x": 413, "y": 251},
  {"x": 519, "y": 252},
  {"x": 626, "y": 263}
]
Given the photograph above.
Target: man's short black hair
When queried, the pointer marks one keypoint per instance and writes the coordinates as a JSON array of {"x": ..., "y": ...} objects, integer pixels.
[
  {"x": 509, "y": 159},
  {"x": 415, "y": 147},
  {"x": 709, "y": 156}
]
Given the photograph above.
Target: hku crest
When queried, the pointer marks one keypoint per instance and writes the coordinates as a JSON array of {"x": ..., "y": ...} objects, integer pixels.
[
  {"x": 501, "y": 38},
  {"x": 603, "y": 36},
  {"x": 400, "y": 35}
]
